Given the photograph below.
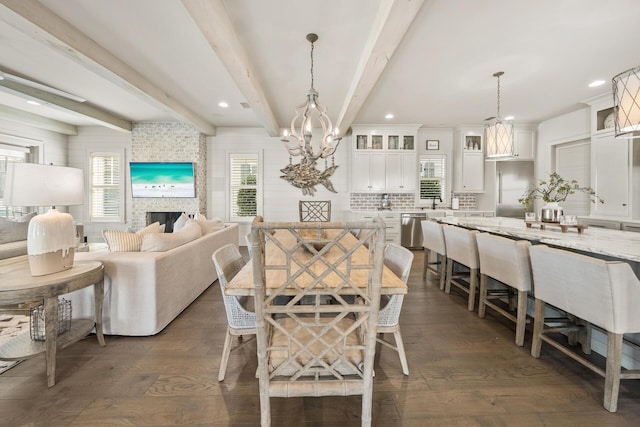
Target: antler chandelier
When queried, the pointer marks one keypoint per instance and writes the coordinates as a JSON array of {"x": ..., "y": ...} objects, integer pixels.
[{"x": 299, "y": 142}]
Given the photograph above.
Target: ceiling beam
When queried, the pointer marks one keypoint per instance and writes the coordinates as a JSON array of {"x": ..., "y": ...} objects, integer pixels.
[
  {"x": 67, "y": 105},
  {"x": 392, "y": 22},
  {"x": 215, "y": 25},
  {"x": 23, "y": 117},
  {"x": 31, "y": 17}
]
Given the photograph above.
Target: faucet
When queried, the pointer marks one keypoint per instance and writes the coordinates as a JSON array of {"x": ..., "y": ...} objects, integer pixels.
[{"x": 433, "y": 205}]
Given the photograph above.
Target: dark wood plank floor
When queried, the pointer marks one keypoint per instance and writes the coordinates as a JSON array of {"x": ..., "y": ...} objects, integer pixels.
[{"x": 465, "y": 371}]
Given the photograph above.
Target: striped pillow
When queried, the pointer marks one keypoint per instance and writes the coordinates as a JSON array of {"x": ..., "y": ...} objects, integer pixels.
[
  {"x": 122, "y": 241},
  {"x": 125, "y": 241}
]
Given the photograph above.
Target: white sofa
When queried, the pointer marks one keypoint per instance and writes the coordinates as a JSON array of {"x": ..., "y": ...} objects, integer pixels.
[{"x": 145, "y": 291}]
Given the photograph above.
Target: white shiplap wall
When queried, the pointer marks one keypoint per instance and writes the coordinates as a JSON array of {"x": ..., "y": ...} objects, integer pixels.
[{"x": 280, "y": 199}]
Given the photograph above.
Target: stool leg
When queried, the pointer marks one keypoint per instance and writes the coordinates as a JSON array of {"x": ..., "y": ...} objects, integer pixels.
[
  {"x": 443, "y": 271},
  {"x": 483, "y": 295},
  {"x": 521, "y": 317},
  {"x": 612, "y": 376},
  {"x": 473, "y": 284},
  {"x": 538, "y": 326},
  {"x": 447, "y": 288},
  {"x": 426, "y": 263}
]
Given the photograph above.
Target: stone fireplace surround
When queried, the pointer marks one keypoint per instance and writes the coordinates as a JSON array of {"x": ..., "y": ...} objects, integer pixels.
[{"x": 164, "y": 142}]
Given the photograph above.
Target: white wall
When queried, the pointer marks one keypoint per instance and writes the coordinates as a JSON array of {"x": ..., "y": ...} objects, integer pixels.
[
  {"x": 96, "y": 138},
  {"x": 280, "y": 199}
]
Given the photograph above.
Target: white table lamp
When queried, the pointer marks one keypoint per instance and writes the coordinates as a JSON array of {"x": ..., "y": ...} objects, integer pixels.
[{"x": 51, "y": 238}]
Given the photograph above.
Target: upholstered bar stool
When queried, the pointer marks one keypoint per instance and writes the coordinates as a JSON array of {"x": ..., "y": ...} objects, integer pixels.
[
  {"x": 506, "y": 261},
  {"x": 461, "y": 248},
  {"x": 433, "y": 241},
  {"x": 604, "y": 293}
]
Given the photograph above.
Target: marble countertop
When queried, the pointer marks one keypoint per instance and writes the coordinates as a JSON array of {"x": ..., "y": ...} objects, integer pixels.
[{"x": 624, "y": 245}]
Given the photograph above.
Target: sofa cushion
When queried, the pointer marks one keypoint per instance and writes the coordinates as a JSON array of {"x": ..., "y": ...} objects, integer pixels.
[
  {"x": 124, "y": 241},
  {"x": 167, "y": 241},
  {"x": 208, "y": 225},
  {"x": 14, "y": 230}
]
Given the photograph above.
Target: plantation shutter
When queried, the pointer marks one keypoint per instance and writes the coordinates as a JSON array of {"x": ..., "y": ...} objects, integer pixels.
[
  {"x": 432, "y": 178},
  {"x": 9, "y": 155},
  {"x": 106, "y": 186},
  {"x": 244, "y": 185}
]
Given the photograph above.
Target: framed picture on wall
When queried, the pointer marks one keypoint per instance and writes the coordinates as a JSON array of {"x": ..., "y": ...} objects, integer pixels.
[{"x": 433, "y": 144}]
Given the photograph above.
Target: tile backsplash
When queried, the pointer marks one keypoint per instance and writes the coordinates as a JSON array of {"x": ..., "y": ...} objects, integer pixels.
[{"x": 401, "y": 201}]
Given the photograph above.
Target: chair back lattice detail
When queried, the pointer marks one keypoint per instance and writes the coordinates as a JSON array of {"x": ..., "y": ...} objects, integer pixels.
[
  {"x": 306, "y": 346},
  {"x": 315, "y": 210}
]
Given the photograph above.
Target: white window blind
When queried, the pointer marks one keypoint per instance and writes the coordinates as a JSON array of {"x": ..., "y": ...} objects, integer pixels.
[
  {"x": 244, "y": 185},
  {"x": 7, "y": 156},
  {"x": 106, "y": 187},
  {"x": 432, "y": 178}
]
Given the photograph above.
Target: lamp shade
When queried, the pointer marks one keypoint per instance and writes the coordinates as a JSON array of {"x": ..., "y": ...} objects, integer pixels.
[
  {"x": 51, "y": 238},
  {"x": 626, "y": 103},
  {"x": 499, "y": 139},
  {"x": 30, "y": 184}
]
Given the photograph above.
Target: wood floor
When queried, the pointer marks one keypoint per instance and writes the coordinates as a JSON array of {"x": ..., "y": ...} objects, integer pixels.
[{"x": 464, "y": 371}]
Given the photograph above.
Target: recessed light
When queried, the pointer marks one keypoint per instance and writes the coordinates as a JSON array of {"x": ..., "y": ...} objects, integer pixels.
[
  {"x": 223, "y": 104},
  {"x": 509, "y": 118},
  {"x": 389, "y": 116},
  {"x": 596, "y": 83},
  {"x": 33, "y": 103}
]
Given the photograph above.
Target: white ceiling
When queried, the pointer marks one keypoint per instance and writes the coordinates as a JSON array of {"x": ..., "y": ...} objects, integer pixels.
[{"x": 428, "y": 62}]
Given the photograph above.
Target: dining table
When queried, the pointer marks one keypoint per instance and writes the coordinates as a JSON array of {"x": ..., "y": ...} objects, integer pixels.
[{"x": 242, "y": 283}]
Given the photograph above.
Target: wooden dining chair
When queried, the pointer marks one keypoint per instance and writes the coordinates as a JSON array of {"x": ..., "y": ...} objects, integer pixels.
[
  {"x": 398, "y": 260},
  {"x": 240, "y": 321},
  {"x": 314, "y": 210},
  {"x": 599, "y": 292},
  {"x": 317, "y": 349}
]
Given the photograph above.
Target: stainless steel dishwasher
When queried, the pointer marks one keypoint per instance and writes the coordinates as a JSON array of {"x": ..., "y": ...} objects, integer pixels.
[{"x": 411, "y": 230}]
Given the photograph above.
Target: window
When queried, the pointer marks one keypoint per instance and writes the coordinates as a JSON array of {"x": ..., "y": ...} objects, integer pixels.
[
  {"x": 432, "y": 178},
  {"x": 8, "y": 155},
  {"x": 106, "y": 190},
  {"x": 244, "y": 185}
]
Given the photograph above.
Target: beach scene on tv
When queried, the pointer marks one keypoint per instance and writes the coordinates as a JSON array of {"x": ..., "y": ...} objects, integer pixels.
[{"x": 162, "y": 180}]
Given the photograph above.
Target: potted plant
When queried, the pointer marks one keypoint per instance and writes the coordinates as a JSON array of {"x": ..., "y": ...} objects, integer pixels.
[{"x": 554, "y": 190}]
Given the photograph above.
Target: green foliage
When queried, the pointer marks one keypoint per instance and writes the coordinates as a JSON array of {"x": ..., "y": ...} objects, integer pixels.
[
  {"x": 556, "y": 189},
  {"x": 247, "y": 197}
]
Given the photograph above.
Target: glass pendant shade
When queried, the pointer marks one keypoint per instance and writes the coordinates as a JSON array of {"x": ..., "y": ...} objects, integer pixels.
[
  {"x": 498, "y": 138},
  {"x": 626, "y": 101}
]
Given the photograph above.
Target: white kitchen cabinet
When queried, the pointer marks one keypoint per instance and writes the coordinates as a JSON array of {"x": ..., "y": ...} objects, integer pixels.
[
  {"x": 368, "y": 172},
  {"x": 391, "y": 221},
  {"x": 472, "y": 172},
  {"x": 401, "y": 172},
  {"x": 524, "y": 144},
  {"x": 610, "y": 168}
]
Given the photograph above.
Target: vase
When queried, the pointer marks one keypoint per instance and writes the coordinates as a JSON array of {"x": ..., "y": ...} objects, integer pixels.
[{"x": 551, "y": 212}]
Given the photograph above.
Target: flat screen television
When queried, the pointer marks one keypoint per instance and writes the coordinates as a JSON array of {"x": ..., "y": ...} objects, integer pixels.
[{"x": 162, "y": 179}]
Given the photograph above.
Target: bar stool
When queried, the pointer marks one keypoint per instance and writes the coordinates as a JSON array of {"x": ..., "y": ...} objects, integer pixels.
[
  {"x": 433, "y": 241},
  {"x": 506, "y": 261},
  {"x": 462, "y": 248},
  {"x": 604, "y": 293}
]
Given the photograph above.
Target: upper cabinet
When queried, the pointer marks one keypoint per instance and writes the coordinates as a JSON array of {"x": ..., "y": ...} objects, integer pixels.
[
  {"x": 384, "y": 158},
  {"x": 524, "y": 143},
  {"x": 470, "y": 178}
]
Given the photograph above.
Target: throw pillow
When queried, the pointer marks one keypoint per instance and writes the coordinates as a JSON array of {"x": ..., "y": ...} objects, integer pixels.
[
  {"x": 125, "y": 241},
  {"x": 209, "y": 225},
  {"x": 14, "y": 230},
  {"x": 167, "y": 241},
  {"x": 122, "y": 241},
  {"x": 180, "y": 222}
]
